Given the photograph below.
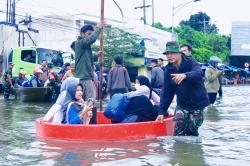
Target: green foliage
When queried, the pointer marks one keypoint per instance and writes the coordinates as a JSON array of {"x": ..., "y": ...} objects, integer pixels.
[
  {"x": 201, "y": 22},
  {"x": 120, "y": 42},
  {"x": 204, "y": 45},
  {"x": 160, "y": 26},
  {"x": 186, "y": 34}
]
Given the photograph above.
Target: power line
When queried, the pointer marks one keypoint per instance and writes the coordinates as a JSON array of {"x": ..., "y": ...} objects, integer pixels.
[
  {"x": 50, "y": 24},
  {"x": 36, "y": 12}
]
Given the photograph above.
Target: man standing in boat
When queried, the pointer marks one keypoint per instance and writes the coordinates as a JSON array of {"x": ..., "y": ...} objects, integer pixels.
[
  {"x": 84, "y": 60},
  {"x": 183, "y": 77}
]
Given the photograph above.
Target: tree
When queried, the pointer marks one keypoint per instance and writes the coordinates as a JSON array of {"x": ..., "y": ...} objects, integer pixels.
[
  {"x": 204, "y": 46},
  {"x": 160, "y": 26},
  {"x": 120, "y": 42},
  {"x": 201, "y": 22}
]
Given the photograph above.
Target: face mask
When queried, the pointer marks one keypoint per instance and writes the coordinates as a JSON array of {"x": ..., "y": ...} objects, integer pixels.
[{"x": 137, "y": 86}]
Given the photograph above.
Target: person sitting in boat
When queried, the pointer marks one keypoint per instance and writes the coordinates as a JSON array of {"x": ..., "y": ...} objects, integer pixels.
[
  {"x": 142, "y": 85},
  {"x": 67, "y": 95},
  {"x": 130, "y": 107},
  {"x": 52, "y": 78},
  {"x": 78, "y": 111},
  {"x": 140, "y": 109},
  {"x": 70, "y": 72},
  {"x": 44, "y": 68},
  {"x": 62, "y": 72},
  {"x": 36, "y": 79},
  {"x": 53, "y": 82},
  {"x": 21, "y": 78}
]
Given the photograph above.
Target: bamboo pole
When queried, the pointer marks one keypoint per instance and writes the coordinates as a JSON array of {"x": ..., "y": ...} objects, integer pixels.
[{"x": 101, "y": 56}]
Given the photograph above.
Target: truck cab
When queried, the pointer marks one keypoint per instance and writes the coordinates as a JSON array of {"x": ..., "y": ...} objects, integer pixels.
[{"x": 28, "y": 58}]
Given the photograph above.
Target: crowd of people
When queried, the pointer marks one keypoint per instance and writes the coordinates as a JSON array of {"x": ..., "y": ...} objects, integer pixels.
[
  {"x": 43, "y": 76},
  {"x": 150, "y": 98}
]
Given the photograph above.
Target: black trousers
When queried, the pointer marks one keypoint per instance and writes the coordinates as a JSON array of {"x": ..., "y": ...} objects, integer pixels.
[
  {"x": 93, "y": 119},
  {"x": 220, "y": 91},
  {"x": 212, "y": 97}
]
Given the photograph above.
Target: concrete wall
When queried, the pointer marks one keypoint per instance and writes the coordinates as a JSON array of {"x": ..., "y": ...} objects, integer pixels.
[
  {"x": 10, "y": 38},
  {"x": 56, "y": 33}
]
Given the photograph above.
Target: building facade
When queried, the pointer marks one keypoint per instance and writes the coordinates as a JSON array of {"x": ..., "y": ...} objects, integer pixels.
[{"x": 240, "y": 44}]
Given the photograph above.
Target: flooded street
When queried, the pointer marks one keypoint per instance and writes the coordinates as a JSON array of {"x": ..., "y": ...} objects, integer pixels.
[{"x": 224, "y": 139}]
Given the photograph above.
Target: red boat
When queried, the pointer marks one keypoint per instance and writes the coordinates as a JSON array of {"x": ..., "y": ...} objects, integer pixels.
[{"x": 104, "y": 130}]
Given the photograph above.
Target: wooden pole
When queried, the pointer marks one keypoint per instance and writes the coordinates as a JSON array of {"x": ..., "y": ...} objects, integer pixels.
[{"x": 101, "y": 56}]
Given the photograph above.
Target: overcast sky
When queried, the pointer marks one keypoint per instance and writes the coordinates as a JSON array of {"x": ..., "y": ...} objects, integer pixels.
[{"x": 222, "y": 12}]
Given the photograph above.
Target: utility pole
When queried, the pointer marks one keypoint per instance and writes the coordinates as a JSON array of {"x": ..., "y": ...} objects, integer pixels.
[
  {"x": 7, "y": 11},
  {"x": 101, "y": 56},
  {"x": 13, "y": 21},
  {"x": 153, "y": 13},
  {"x": 144, "y": 6},
  {"x": 204, "y": 22},
  {"x": 11, "y": 12},
  {"x": 144, "y": 12},
  {"x": 204, "y": 25},
  {"x": 175, "y": 9}
]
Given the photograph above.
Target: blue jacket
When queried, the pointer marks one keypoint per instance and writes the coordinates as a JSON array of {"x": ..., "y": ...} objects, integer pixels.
[
  {"x": 191, "y": 93},
  {"x": 35, "y": 82},
  {"x": 73, "y": 114},
  {"x": 19, "y": 82}
]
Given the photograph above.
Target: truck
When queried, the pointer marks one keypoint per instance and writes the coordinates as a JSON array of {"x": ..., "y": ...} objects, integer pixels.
[{"x": 28, "y": 58}]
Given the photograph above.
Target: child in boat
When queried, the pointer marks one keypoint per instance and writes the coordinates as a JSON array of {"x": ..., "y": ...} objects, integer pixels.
[{"x": 79, "y": 111}]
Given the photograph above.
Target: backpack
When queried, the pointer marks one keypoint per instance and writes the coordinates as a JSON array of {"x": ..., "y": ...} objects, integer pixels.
[{"x": 117, "y": 106}]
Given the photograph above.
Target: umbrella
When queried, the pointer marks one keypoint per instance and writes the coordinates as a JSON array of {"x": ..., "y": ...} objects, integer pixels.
[{"x": 215, "y": 59}]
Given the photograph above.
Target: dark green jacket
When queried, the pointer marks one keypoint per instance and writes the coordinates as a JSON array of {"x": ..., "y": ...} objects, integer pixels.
[{"x": 84, "y": 60}]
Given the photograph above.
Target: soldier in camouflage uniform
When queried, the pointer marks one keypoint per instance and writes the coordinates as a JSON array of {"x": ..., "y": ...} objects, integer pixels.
[
  {"x": 7, "y": 82},
  {"x": 183, "y": 77}
]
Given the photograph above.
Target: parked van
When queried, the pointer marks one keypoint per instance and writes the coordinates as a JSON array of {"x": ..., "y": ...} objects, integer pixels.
[{"x": 28, "y": 58}]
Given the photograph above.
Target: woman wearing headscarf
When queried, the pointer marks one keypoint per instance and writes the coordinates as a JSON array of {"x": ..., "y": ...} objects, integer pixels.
[
  {"x": 142, "y": 85},
  {"x": 212, "y": 80},
  {"x": 79, "y": 111},
  {"x": 67, "y": 95}
]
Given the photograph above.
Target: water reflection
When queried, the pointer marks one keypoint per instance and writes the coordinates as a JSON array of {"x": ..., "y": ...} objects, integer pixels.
[
  {"x": 212, "y": 114},
  {"x": 95, "y": 152},
  {"x": 187, "y": 154},
  {"x": 224, "y": 139}
]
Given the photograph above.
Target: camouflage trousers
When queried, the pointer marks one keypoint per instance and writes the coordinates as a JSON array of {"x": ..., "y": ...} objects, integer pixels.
[
  {"x": 187, "y": 122},
  {"x": 6, "y": 90}
]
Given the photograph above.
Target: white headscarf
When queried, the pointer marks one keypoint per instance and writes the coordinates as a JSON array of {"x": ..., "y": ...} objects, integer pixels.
[{"x": 67, "y": 95}]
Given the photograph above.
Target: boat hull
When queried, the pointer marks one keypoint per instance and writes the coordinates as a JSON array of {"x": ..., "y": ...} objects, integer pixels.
[
  {"x": 31, "y": 94},
  {"x": 104, "y": 130}
]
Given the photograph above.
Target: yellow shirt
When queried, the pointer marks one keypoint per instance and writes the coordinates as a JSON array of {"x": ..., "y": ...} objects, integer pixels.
[{"x": 69, "y": 73}]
